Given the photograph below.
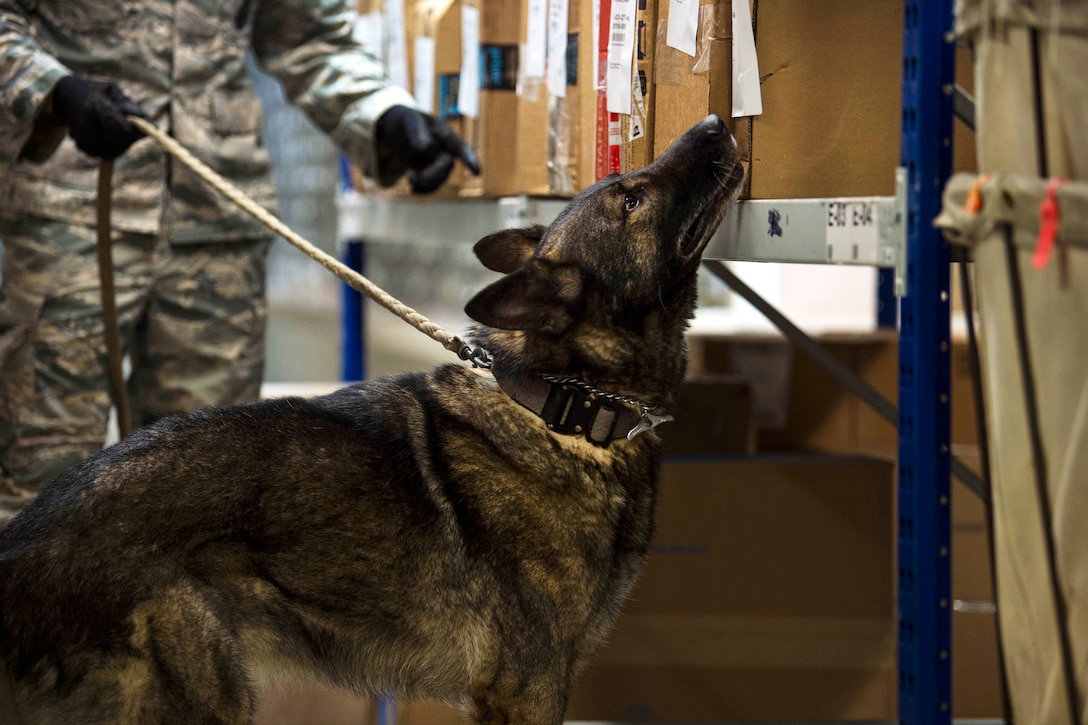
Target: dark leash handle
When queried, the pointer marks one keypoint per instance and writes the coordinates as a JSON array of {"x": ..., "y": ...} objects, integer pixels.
[{"x": 110, "y": 326}]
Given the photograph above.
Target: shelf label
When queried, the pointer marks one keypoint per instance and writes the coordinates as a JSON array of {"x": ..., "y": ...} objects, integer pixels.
[
  {"x": 513, "y": 212},
  {"x": 853, "y": 230}
]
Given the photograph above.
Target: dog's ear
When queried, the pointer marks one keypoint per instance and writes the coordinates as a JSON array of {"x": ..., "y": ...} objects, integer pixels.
[
  {"x": 508, "y": 250},
  {"x": 540, "y": 296}
]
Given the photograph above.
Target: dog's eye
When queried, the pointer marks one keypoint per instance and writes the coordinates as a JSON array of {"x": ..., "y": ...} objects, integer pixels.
[{"x": 630, "y": 203}]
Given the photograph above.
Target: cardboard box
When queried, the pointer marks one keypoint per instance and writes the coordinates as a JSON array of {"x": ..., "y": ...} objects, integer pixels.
[
  {"x": 584, "y": 109},
  {"x": 766, "y": 576},
  {"x": 977, "y": 685},
  {"x": 819, "y": 414},
  {"x": 688, "y": 89},
  {"x": 441, "y": 22},
  {"x": 522, "y": 120},
  {"x": 831, "y": 83},
  {"x": 637, "y": 141},
  {"x": 513, "y": 124},
  {"x": 576, "y": 164},
  {"x": 964, "y": 152},
  {"x": 832, "y": 90},
  {"x": 799, "y": 406},
  {"x": 976, "y": 673},
  {"x": 713, "y": 416},
  {"x": 565, "y": 128}
]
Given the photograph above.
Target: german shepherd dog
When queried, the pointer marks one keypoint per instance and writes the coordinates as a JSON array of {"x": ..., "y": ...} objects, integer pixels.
[{"x": 463, "y": 535}]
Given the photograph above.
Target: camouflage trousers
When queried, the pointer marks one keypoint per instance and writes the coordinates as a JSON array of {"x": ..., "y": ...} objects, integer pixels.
[{"x": 192, "y": 322}]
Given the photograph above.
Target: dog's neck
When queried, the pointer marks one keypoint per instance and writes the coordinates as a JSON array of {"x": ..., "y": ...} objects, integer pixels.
[{"x": 573, "y": 407}]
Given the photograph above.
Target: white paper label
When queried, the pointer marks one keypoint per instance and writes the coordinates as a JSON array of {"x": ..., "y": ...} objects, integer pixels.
[
  {"x": 638, "y": 113},
  {"x": 468, "y": 91},
  {"x": 396, "y": 43},
  {"x": 853, "y": 230},
  {"x": 368, "y": 33},
  {"x": 558, "y": 14},
  {"x": 683, "y": 24},
  {"x": 747, "y": 98},
  {"x": 536, "y": 42},
  {"x": 621, "y": 47},
  {"x": 424, "y": 74}
]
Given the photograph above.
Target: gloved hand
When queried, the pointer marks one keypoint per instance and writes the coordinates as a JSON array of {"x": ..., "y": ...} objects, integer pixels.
[
  {"x": 95, "y": 113},
  {"x": 420, "y": 144}
]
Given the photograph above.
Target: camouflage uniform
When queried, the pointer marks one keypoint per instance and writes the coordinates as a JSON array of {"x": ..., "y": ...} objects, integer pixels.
[{"x": 190, "y": 266}]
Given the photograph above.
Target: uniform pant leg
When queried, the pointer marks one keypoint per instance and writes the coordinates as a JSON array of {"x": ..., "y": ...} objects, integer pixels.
[
  {"x": 54, "y": 399},
  {"x": 202, "y": 341}
]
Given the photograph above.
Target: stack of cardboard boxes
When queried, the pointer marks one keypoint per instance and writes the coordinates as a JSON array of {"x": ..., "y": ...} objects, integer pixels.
[
  {"x": 829, "y": 80},
  {"x": 797, "y": 406}
]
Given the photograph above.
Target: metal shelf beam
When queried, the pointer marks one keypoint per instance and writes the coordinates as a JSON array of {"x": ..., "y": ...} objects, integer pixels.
[{"x": 865, "y": 231}]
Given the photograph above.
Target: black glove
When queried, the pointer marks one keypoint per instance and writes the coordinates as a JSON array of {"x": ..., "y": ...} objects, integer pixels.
[
  {"x": 95, "y": 113},
  {"x": 420, "y": 144}
]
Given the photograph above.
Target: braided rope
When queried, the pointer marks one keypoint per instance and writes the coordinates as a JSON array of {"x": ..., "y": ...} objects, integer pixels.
[{"x": 346, "y": 274}]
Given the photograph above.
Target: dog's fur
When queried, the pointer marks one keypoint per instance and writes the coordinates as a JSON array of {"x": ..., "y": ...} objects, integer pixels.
[{"x": 422, "y": 535}]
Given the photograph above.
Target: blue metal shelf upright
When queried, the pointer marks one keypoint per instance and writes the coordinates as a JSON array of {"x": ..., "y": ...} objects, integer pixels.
[{"x": 924, "y": 592}]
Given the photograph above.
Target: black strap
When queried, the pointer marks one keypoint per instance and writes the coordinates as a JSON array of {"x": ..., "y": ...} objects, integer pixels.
[{"x": 570, "y": 410}]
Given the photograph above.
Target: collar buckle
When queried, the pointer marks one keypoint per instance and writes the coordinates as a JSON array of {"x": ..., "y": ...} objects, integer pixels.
[{"x": 572, "y": 411}]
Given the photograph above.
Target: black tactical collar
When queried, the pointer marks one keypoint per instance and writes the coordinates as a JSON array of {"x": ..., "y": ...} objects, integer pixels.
[{"x": 572, "y": 407}]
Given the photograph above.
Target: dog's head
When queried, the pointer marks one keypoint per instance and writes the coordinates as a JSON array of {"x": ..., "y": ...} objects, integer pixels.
[{"x": 615, "y": 272}]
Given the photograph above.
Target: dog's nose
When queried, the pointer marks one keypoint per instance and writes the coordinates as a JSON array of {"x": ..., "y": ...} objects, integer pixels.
[{"x": 715, "y": 124}]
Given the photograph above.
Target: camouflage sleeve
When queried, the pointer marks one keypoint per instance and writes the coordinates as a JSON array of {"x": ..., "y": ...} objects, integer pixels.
[
  {"x": 308, "y": 46},
  {"x": 27, "y": 75}
]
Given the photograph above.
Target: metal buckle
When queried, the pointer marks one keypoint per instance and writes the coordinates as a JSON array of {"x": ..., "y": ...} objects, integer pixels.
[{"x": 571, "y": 411}]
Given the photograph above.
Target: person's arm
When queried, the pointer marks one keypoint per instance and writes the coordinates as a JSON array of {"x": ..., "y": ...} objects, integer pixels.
[
  {"x": 28, "y": 127},
  {"x": 308, "y": 46}
]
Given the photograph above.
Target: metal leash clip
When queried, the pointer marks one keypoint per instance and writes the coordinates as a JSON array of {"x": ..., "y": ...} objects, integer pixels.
[{"x": 479, "y": 357}]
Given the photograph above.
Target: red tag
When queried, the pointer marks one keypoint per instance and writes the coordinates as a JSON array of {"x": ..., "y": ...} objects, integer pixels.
[{"x": 1048, "y": 225}]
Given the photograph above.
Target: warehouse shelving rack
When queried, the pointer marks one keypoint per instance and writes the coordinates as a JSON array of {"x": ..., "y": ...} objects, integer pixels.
[
  {"x": 894, "y": 234},
  {"x": 924, "y": 460}
]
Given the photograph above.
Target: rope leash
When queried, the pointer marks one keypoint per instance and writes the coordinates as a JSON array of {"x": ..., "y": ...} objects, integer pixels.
[{"x": 454, "y": 343}]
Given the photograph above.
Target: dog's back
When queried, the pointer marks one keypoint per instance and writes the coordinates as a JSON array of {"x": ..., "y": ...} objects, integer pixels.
[
  {"x": 356, "y": 540},
  {"x": 449, "y": 534}
]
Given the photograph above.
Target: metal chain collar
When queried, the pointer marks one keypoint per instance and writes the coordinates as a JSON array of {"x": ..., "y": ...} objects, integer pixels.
[{"x": 586, "y": 387}]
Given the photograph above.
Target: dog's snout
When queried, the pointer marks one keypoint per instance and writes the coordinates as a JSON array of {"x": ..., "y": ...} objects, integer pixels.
[{"x": 715, "y": 124}]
